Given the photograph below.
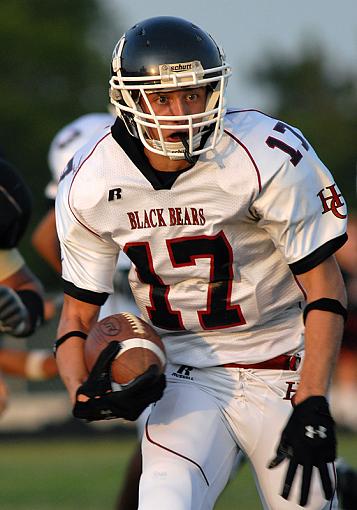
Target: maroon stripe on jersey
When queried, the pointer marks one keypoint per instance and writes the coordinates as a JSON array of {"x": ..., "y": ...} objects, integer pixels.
[
  {"x": 250, "y": 157},
  {"x": 251, "y": 110},
  {"x": 80, "y": 166},
  {"x": 149, "y": 438},
  {"x": 248, "y": 110},
  {"x": 300, "y": 286}
]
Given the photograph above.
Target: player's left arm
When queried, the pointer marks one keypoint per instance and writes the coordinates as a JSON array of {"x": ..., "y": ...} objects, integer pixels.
[
  {"x": 323, "y": 329},
  {"x": 305, "y": 214},
  {"x": 308, "y": 438}
]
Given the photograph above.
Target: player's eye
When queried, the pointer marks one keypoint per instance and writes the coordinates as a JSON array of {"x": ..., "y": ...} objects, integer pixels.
[
  {"x": 192, "y": 97},
  {"x": 162, "y": 100}
]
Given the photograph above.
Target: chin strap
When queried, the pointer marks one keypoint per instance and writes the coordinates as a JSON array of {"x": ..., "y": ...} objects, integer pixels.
[{"x": 190, "y": 159}]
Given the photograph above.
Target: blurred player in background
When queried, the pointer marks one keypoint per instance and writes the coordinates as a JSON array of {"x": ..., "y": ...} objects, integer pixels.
[
  {"x": 32, "y": 365},
  {"x": 21, "y": 301},
  {"x": 66, "y": 142},
  {"x": 231, "y": 222},
  {"x": 44, "y": 239}
]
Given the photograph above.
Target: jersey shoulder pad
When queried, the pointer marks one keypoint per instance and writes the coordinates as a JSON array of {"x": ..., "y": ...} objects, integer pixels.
[{"x": 270, "y": 142}]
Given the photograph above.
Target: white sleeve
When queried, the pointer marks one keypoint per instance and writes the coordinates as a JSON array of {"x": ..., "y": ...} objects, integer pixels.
[
  {"x": 88, "y": 260},
  {"x": 302, "y": 209}
]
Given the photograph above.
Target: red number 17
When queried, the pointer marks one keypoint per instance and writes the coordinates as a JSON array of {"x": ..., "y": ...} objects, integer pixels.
[
  {"x": 185, "y": 251},
  {"x": 273, "y": 143}
]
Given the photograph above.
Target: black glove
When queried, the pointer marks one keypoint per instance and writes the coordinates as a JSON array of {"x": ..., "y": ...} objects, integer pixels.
[
  {"x": 14, "y": 317},
  {"x": 128, "y": 403},
  {"x": 308, "y": 439}
]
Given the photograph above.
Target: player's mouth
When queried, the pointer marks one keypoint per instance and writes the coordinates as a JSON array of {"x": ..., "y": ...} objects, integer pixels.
[{"x": 176, "y": 136}]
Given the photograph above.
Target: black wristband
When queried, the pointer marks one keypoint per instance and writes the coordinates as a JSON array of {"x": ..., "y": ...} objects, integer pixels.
[
  {"x": 34, "y": 305},
  {"x": 65, "y": 337},
  {"x": 326, "y": 305}
]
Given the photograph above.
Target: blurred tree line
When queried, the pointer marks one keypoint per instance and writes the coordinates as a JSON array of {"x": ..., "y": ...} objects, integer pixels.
[
  {"x": 319, "y": 98},
  {"x": 55, "y": 67}
]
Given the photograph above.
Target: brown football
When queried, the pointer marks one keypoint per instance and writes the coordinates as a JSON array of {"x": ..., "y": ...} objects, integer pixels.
[{"x": 141, "y": 346}]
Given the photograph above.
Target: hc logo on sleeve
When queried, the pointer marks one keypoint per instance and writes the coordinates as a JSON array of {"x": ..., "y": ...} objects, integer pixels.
[{"x": 331, "y": 201}]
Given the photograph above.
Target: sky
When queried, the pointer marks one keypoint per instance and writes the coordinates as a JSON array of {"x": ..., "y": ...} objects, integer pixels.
[{"x": 250, "y": 30}]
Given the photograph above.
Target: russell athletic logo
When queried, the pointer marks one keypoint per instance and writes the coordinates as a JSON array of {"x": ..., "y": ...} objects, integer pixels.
[
  {"x": 331, "y": 201},
  {"x": 184, "y": 372},
  {"x": 114, "y": 194}
]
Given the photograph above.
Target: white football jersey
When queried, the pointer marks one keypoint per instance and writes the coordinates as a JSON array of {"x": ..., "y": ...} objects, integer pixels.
[
  {"x": 215, "y": 251},
  {"x": 68, "y": 140}
]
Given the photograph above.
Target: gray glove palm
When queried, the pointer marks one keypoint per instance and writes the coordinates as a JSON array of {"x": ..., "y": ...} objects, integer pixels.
[{"x": 14, "y": 317}]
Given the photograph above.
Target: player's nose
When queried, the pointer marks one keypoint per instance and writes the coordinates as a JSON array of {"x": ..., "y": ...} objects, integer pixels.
[{"x": 179, "y": 106}]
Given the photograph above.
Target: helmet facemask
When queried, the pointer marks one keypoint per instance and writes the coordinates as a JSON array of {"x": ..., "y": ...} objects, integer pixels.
[{"x": 127, "y": 93}]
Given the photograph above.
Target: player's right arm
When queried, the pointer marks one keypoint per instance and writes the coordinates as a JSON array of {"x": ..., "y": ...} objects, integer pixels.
[
  {"x": 88, "y": 264},
  {"x": 89, "y": 258},
  {"x": 76, "y": 316}
]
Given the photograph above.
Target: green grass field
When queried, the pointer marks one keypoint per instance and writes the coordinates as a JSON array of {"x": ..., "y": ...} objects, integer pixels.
[{"x": 61, "y": 474}]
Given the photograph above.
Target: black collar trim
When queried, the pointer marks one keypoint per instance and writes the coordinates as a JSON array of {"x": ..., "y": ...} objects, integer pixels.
[{"x": 134, "y": 149}]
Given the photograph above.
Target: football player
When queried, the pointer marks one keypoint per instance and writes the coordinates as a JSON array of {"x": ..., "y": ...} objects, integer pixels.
[
  {"x": 231, "y": 222},
  {"x": 21, "y": 302},
  {"x": 44, "y": 239}
]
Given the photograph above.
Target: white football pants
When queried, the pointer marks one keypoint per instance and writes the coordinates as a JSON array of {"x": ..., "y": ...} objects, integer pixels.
[{"x": 196, "y": 429}]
